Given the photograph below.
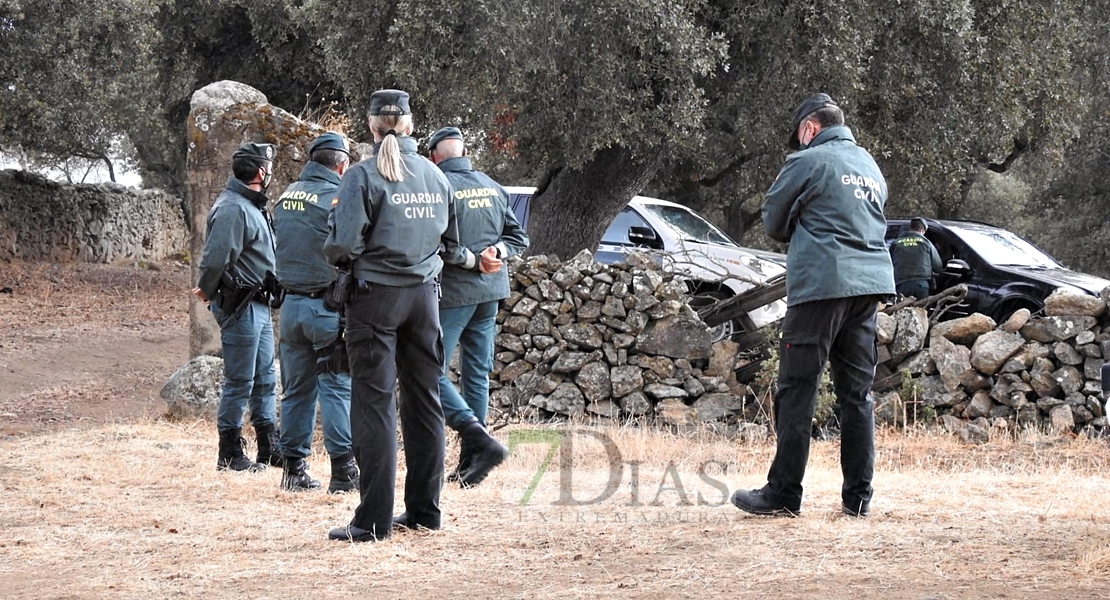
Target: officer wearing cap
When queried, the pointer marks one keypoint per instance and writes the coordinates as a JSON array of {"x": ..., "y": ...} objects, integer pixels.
[
  {"x": 393, "y": 219},
  {"x": 827, "y": 203},
  {"x": 915, "y": 260},
  {"x": 468, "y": 308},
  {"x": 238, "y": 253},
  {"x": 313, "y": 361}
]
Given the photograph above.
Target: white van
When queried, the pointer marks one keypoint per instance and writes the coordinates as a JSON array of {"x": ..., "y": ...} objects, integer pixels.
[{"x": 698, "y": 249}]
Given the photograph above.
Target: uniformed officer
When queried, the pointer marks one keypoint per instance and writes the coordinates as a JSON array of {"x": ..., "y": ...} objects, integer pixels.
[
  {"x": 827, "y": 202},
  {"x": 469, "y": 304},
  {"x": 313, "y": 359},
  {"x": 238, "y": 253},
  {"x": 915, "y": 260},
  {"x": 393, "y": 212}
]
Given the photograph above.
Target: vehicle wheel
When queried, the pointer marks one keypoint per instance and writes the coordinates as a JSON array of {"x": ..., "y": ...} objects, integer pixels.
[
  {"x": 725, "y": 330},
  {"x": 1008, "y": 309}
]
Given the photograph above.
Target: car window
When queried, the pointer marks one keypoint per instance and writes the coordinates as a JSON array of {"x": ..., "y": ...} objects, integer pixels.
[
  {"x": 1001, "y": 247},
  {"x": 617, "y": 233},
  {"x": 519, "y": 204},
  {"x": 689, "y": 225}
]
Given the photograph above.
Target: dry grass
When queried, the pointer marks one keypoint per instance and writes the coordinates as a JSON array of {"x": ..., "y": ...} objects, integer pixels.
[
  {"x": 101, "y": 498},
  {"x": 138, "y": 510}
]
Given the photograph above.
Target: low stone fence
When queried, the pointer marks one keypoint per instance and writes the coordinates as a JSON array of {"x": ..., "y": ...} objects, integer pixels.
[
  {"x": 620, "y": 341},
  {"x": 1040, "y": 372},
  {"x": 46, "y": 220},
  {"x": 617, "y": 341}
]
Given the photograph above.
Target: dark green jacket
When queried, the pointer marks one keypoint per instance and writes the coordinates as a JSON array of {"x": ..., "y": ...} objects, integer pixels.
[
  {"x": 393, "y": 232},
  {"x": 485, "y": 220},
  {"x": 239, "y": 237},
  {"x": 301, "y": 227},
  {"x": 827, "y": 202},
  {"x": 914, "y": 257}
]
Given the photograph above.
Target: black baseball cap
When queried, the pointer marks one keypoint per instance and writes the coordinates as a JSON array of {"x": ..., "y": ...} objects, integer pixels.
[
  {"x": 390, "y": 103},
  {"x": 807, "y": 107}
]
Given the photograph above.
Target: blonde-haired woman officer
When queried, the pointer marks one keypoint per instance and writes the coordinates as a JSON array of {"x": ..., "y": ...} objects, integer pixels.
[{"x": 392, "y": 214}]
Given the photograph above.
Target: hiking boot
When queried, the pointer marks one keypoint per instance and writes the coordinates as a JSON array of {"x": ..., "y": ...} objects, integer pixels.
[
  {"x": 860, "y": 509},
  {"x": 759, "y": 502},
  {"x": 344, "y": 474},
  {"x": 466, "y": 455},
  {"x": 231, "y": 456},
  {"x": 269, "y": 445},
  {"x": 294, "y": 478},
  {"x": 487, "y": 453}
]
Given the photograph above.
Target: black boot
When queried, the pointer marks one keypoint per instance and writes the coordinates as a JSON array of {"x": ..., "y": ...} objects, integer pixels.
[
  {"x": 294, "y": 478},
  {"x": 231, "y": 457},
  {"x": 269, "y": 445},
  {"x": 344, "y": 474},
  {"x": 466, "y": 455},
  {"x": 487, "y": 453}
]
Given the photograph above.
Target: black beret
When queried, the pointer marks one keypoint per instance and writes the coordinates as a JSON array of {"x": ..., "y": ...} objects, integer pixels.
[
  {"x": 382, "y": 99},
  {"x": 808, "y": 106},
  {"x": 330, "y": 141},
  {"x": 258, "y": 152},
  {"x": 447, "y": 133}
]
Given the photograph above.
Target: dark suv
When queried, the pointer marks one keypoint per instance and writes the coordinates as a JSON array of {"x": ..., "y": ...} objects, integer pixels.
[{"x": 1003, "y": 271}]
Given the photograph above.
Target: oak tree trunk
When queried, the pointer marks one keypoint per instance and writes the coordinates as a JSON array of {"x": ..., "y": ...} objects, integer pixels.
[{"x": 572, "y": 211}]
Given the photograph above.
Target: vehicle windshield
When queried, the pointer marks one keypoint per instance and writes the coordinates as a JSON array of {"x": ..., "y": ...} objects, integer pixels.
[
  {"x": 688, "y": 225},
  {"x": 1001, "y": 247}
]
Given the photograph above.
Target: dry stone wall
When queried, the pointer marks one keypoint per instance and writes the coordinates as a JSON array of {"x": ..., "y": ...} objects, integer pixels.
[
  {"x": 616, "y": 341},
  {"x": 42, "y": 219},
  {"x": 1030, "y": 372},
  {"x": 620, "y": 341}
]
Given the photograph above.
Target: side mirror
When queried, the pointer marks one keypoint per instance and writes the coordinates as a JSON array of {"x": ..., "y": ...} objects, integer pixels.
[
  {"x": 957, "y": 267},
  {"x": 644, "y": 236}
]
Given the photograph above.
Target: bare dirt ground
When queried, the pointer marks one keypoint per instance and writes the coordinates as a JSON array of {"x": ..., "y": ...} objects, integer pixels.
[{"x": 101, "y": 497}]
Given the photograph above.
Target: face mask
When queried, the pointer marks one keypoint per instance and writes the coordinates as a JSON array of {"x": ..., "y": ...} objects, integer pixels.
[{"x": 267, "y": 177}]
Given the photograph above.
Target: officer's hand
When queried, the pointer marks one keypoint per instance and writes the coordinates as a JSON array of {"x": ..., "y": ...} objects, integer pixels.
[
  {"x": 199, "y": 293},
  {"x": 489, "y": 263}
]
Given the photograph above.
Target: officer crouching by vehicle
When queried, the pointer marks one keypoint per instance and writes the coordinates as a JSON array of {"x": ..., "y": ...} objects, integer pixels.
[
  {"x": 393, "y": 212},
  {"x": 236, "y": 274},
  {"x": 313, "y": 355}
]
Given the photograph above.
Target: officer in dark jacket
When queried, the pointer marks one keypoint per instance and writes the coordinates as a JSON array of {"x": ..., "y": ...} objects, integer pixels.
[
  {"x": 827, "y": 202},
  {"x": 238, "y": 253},
  {"x": 393, "y": 213},
  {"x": 313, "y": 361},
  {"x": 915, "y": 260},
  {"x": 468, "y": 308}
]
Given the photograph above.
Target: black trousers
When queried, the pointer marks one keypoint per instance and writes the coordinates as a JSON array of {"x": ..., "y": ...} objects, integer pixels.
[
  {"x": 841, "y": 332},
  {"x": 394, "y": 332}
]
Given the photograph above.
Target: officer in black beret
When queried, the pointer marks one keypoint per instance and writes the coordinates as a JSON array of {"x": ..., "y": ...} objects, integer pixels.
[
  {"x": 313, "y": 361},
  {"x": 238, "y": 254},
  {"x": 468, "y": 308},
  {"x": 393, "y": 213}
]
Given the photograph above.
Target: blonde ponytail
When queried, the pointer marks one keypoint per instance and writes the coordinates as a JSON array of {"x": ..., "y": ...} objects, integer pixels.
[{"x": 388, "y": 128}]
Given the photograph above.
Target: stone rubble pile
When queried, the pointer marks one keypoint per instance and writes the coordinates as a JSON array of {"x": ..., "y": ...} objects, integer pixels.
[
  {"x": 618, "y": 341},
  {"x": 1030, "y": 372}
]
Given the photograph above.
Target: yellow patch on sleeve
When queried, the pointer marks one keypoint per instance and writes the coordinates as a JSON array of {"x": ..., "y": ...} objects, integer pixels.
[{"x": 334, "y": 201}]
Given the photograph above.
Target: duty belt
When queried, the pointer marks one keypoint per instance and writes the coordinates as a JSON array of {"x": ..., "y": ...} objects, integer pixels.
[{"x": 314, "y": 294}]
